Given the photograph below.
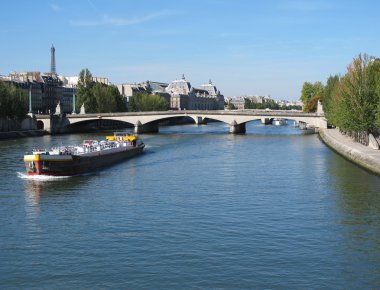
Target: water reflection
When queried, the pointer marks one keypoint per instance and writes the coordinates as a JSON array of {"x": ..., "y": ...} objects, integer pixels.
[
  {"x": 358, "y": 201},
  {"x": 358, "y": 191},
  {"x": 37, "y": 189}
]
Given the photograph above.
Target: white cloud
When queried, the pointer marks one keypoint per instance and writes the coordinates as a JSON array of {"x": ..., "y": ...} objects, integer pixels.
[
  {"x": 306, "y": 6},
  {"x": 55, "y": 7},
  {"x": 113, "y": 21}
]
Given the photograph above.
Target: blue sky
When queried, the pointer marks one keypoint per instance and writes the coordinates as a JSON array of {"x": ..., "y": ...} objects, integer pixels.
[{"x": 245, "y": 47}]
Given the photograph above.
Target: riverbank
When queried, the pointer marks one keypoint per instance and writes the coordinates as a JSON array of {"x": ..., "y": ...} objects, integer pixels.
[
  {"x": 21, "y": 134},
  {"x": 359, "y": 154}
]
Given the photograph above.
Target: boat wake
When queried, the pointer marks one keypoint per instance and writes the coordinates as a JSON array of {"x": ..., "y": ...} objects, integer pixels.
[{"x": 40, "y": 177}]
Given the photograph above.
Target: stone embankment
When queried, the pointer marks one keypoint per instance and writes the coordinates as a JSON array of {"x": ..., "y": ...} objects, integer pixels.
[{"x": 359, "y": 154}]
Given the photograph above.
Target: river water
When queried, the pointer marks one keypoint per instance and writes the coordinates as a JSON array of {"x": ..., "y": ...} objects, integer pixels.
[{"x": 200, "y": 209}]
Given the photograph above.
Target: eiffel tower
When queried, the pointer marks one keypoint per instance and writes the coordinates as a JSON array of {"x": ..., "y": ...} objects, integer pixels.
[{"x": 52, "y": 60}]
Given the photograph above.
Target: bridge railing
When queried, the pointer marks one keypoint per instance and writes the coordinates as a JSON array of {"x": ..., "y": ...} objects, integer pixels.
[{"x": 249, "y": 112}]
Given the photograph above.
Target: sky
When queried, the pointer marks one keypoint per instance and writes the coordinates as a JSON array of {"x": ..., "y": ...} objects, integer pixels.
[{"x": 246, "y": 47}]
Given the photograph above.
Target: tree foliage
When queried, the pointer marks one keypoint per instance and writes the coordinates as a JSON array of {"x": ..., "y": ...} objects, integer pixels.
[
  {"x": 85, "y": 94},
  {"x": 311, "y": 94},
  {"x": 143, "y": 102},
  {"x": 329, "y": 99},
  {"x": 108, "y": 99},
  {"x": 85, "y": 79},
  {"x": 352, "y": 102},
  {"x": 357, "y": 97},
  {"x": 269, "y": 104},
  {"x": 231, "y": 106},
  {"x": 96, "y": 97},
  {"x": 13, "y": 102},
  {"x": 375, "y": 80}
]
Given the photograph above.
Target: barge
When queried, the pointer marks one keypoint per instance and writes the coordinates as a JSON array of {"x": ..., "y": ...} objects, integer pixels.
[{"x": 86, "y": 157}]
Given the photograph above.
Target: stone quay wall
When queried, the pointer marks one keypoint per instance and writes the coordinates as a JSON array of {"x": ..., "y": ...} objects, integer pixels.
[{"x": 359, "y": 154}]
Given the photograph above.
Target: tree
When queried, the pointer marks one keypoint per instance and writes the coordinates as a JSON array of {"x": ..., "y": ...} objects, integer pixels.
[
  {"x": 86, "y": 98},
  {"x": 231, "y": 106},
  {"x": 311, "y": 105},
  {"x": 97, "y": 97},
  {"x": 329, "y": 102},
  {"x": 13, "y": 102},
  {"x": 18, "y": 103},
  {"x": 102, "y": 103},
  {"x": 108, "y": 98},
  {"x": 375, "y": 80},
  {"x": 266, "y": 104},
  {"x": 143, "y": 102},
  {"x": 357, "y": 97},
  {"x": 310, "y": 95},
  {"x": 307, "y": 92},
  {"x": 4, "y": 100},
  {"x": 271, "y": 104},
  {"x": 85, "y": 79},
  {"x": 84, "y": 93},
  {"x": 119, "y": 103}
]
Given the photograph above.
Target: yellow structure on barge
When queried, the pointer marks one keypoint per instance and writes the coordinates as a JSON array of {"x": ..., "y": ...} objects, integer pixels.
[{"x": 122, "y": 136}]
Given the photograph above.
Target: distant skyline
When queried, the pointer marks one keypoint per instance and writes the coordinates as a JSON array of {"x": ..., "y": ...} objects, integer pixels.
[{"x": 245, "y": 47}]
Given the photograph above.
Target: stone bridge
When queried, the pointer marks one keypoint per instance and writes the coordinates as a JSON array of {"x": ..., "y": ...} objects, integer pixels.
[{"x": 145, "y": 122}]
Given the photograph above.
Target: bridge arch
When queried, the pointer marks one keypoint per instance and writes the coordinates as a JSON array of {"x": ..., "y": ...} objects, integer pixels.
[
  {"x": 40, "y": 125},
  {"x": 235, "y": 119}
]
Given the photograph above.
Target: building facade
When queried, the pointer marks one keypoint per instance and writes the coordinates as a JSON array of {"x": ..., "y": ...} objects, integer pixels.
[
  {"x": 186, "y": 97},
  {"x": 238, "y": 103},
  {"x": 45, "y": 89},
  {"x": 179, "y": 94},
  {"x": 48, "y": 90}
]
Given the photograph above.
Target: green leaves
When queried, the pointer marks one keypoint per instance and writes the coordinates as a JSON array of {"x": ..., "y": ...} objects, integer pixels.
[
  {"x": 269, "y": 104},
  {"x": 85, "y": 79},
  {"x": 352, "y": 102},
  {"x": 311, "y": 94},
  {"x": 328, "y": 99},
  {"x": 108, "y": 99},
  {"x": 358, "y": 99},
  {"x": 375, "y": 82},
  {"x": 97, "y": 97},
  {"x": 143, "y": 102},
  {"x": 13, "y": 102}
]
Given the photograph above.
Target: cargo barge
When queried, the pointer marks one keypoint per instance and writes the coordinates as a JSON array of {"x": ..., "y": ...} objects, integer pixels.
[{"x": 86, "y": 157}]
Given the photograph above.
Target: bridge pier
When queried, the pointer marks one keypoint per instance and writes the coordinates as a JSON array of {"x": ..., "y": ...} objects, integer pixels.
[
  {"x": 266, "y": 121},
  {"x": 200, "y": 121},
  {"x": 147, "y": 128},
  {"x": 237, "y": 128},
  {"x": 57, "y": 124}
]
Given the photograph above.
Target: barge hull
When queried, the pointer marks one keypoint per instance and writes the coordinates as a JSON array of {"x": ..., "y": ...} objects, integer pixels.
[{"x": 80, "y": 164}]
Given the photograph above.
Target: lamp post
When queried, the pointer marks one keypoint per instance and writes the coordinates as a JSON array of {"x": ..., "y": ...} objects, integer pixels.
[
  {"x": 74, "y": 101},
  {"x": 30, "y": 99}
]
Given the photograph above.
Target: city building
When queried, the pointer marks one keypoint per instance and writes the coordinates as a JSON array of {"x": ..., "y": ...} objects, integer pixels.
[
  {"x": 149, "y": 87},
  {"x": 237, "y": 103},
  {"x": 45, "y": 89},
  {"x": 186, "y": 97},
  {"x": 179, "y": 94},
  {"x": 49, "y": 89}
]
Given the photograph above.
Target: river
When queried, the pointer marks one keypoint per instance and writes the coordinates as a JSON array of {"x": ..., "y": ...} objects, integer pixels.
[{"x": 200, "y": 209}]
